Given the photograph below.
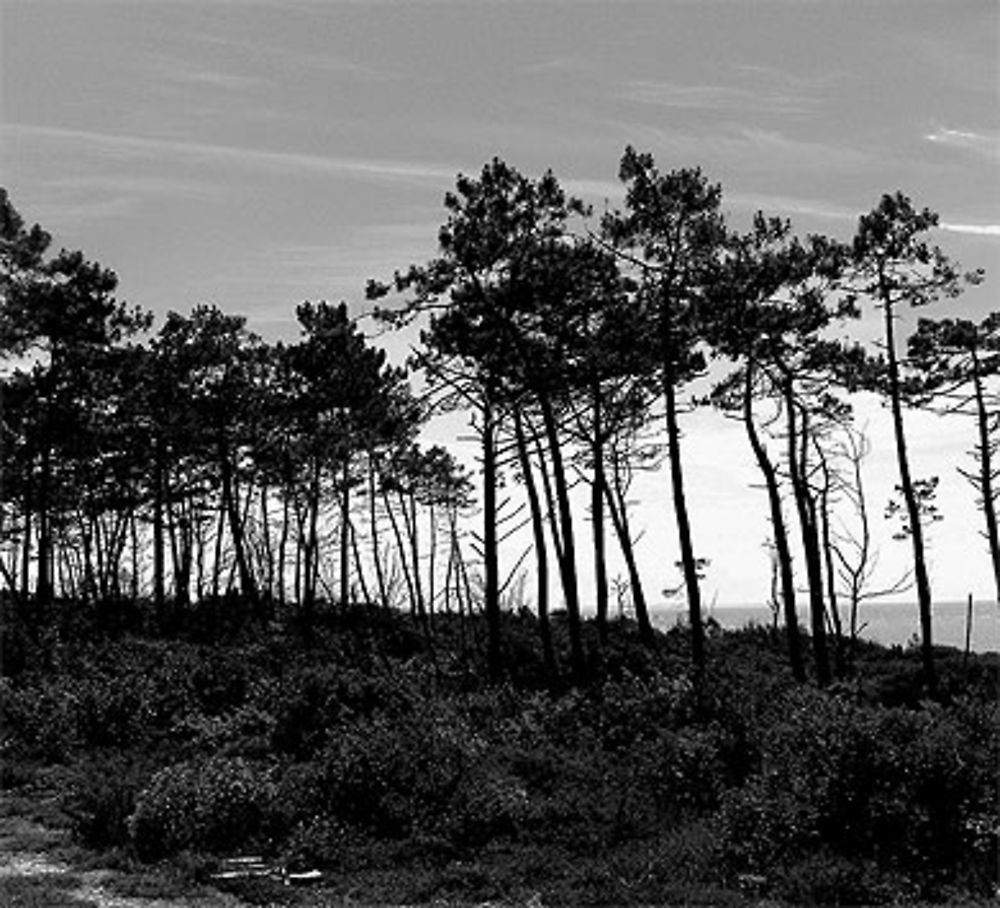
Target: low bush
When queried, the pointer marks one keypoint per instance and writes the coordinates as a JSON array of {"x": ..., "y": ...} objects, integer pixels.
[
  {"x": 39, "y": 717},
  {"x": 215, "y": 805},
  {"x": 826, "y": 878},
  {"x": 893, "y": 786},
  {"x": 102, "y": 796},
  {"x": 395, "y": 776}
]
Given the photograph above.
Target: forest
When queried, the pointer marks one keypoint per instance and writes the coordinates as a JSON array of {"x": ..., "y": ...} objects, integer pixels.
[{"x": 247, "y": 608}]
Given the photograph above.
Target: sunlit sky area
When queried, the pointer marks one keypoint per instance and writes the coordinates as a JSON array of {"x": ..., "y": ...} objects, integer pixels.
[{"x": 255, "y": 154}]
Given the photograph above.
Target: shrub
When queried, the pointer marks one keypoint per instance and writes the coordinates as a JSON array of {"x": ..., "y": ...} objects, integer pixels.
[
  {"x": 390, "y": 776},
  {"x": 830, "y": 879},
  {"x": 102, "y": 796},
  {"x": 246, "y": 731},
  {"x": 893, "y": 786},
  {"x": 489, "y": 803},
  {"x": 316, "y": 700},
  {"x": 215, "y": 805},
  {"x": 40, "y": 717}
]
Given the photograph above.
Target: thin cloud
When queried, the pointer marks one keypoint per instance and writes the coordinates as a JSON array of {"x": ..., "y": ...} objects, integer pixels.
[
  {"x": 973, "y": 229},
  {"x": 979, "y": 143},
  {"x": 68, "y": 202},
  {"x": 788, "y": 205},
  {"x": 184, "y": 72},
  {"x": 714, "y": 97},
  {"x": 125, "y": 147}
]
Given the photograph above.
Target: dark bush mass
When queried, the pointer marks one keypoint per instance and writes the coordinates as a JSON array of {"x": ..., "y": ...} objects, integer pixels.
[{"x": 842, "y": 796}]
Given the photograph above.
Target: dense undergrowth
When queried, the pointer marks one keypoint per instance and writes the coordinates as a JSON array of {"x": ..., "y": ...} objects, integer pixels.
[{"x": 379, "y": 753}]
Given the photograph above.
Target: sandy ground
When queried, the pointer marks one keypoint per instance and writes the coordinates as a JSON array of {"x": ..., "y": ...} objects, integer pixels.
[{"x": 93, "y": 888}]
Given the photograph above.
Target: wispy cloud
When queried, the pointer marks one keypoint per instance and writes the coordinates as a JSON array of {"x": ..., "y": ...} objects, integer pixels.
[
  {"x": 980, "y": 143},
  {"x": 68, "y": 202},
  {"x": 127, "y": 147},
  {"x": 337, "y": 267},
  {"x": 782, "y": 205},
  {"x": 180, "y": 71},
  {"x": 714, "y": 97},
  {"x": 991, "y": 230}
]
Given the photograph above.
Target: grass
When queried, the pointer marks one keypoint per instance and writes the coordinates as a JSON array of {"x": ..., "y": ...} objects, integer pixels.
[{"x": 43, "y": 890}]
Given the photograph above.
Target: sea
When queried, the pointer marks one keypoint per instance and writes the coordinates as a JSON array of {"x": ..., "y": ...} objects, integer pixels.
[{"x": 888, "y": 623}]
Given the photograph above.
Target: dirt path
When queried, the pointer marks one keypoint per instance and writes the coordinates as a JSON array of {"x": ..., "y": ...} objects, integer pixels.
[{"x": 33, "y": 876}]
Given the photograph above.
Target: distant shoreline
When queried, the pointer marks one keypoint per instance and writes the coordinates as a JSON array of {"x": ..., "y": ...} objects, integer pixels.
[{"x": 889, "y": 623}]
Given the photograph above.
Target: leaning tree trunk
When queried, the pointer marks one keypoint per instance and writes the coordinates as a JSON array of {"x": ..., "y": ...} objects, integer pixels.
[
  {"x": 345, "y": 531},
  {"x": 491, "y": 558},
  {"x": 567, "y": 560},
  {"x": 383, "y": 592},
  {"x": 597, "y": 516},
  {"x": 781, "y": 547},
  {"x": 987, "y": 472},
  {"x": 689, "y": 562},
  {"x": 43, "y": 582},
  {"x": 906, "y": 487},
  {"x": 618, "y": 510},
  {"x": 805, "y": 507},
  {"x": 159, "y": 536},
  {"x": 826, "y": 535},
  {"x": 248, "y": 585},
  {"x": 541, "y": 549}
]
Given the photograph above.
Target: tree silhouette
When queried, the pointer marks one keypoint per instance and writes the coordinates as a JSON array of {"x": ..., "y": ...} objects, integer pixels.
[
  {"x": 219, "y": 367},
  {"x": 955, "y": 361},
  {"x": 771, "y": 312},
  {"x": 60, "y": 313},
  {"x": 502, "y": 234},
  {"x": 670, "y": 234},
  {"x": 896, "y": 266}
]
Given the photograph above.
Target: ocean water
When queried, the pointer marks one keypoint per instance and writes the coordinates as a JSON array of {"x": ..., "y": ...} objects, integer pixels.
[{"x": 887, "y": 623}]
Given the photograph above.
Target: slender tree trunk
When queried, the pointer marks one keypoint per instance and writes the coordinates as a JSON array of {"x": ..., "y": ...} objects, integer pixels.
[
  {"x": 9, "y": 579},
  {"x": 192, "y": 547},
  {"x": 383, "y": 592},
  {"x": 619, "y": 520},
  {"x": 298, "y": 569},
  {"x": 431, "y": 558},
  {"x": 97, "y": 553},
  {"x": 89, "y": 582},
  {"x": 408, "y": 508},
  {"x": 597, "y": 517},
  {"x": 136, "y": 563},
  {"x": 491, "y": 556},
  {"x": 345, "y": 531},
  {"x": 781, "y": 546},
  {"x": 43, "y": 581},
  {"x": 159, "y": 536},
  {"x": 175, "y": 555},
  {"x": 201, "y": 535},
  {"x": 310, "y": 548},
  {"x": 986, "y": 471},
  {"x": 550, "y": 500},
  {"x": 831, "y": 582},
  {"x": 689, "y": 562},
  {"x": 28, "y": 506},
  {"x": 805, "y": 508},
  {"x": 541, "y": 549},
  {"x": 283, "y": 544},
  {"x": 567, "y": 562},
  {"x": 906, "y": 486},
  {"x": 217, "y": 566},
  {"x": 248, "y": 586},
  {"x": 449, "y": 569},
  {"x": 270, "y": 569},
  {"x": 401, "y": 551},
  {"x": 358, "y": 571}
]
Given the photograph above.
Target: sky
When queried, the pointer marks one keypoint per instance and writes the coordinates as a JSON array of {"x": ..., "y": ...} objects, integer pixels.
[{"x": 258, "y": 153}]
